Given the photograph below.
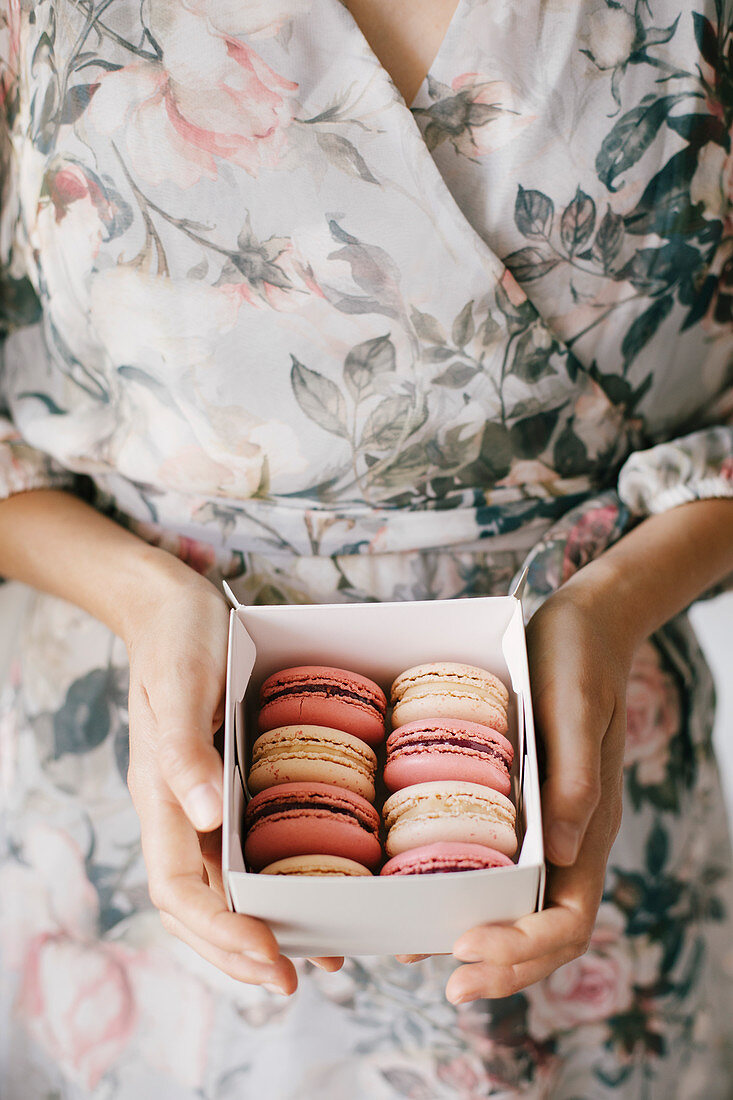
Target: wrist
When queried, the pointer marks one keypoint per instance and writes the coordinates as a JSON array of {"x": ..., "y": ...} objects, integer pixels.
[
  {"x": 607, "y": 592},
  {"x": 152, "y": 579}
]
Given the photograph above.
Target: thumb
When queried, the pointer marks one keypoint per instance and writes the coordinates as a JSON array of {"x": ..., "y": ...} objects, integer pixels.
[
  {"x": 571, "y": 725},
  {"x": 187, "y": 759}
]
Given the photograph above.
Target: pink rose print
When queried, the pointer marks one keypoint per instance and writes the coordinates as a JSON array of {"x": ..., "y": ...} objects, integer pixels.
[
  {"x": 476, "y": 115},
  {"x": 588, "y": 538},
  {"x": 77, "y": 1003},
  {"x": 653, "y": 716},
  {"x": 201, "y": 556},
  {"x": 585, "y": 991},
  {"x": 462, "y": 1079},
  {"x": 212, "y": 96},
  {"x": 493, "y": 116},
  {"x": 175, "y": 1014},
  {"x": 72, "y": 183}
]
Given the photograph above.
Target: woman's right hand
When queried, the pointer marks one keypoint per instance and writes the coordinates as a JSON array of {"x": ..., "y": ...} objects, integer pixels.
[{"x": 177, "y": 645}]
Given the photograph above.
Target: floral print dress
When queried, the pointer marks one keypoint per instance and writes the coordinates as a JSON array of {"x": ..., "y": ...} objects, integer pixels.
[{"x": 335, "y": 347}]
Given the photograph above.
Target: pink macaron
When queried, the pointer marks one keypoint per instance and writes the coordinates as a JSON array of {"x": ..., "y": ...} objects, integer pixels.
[
  {"x": 298, "y": 819},
  {"x": 448, "y": 748},
  {"x": 322, "y": 696},
  {"x": 445, "y": 857}
]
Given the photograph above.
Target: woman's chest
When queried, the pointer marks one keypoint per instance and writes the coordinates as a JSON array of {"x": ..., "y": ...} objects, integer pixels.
[
  {"x": 405, "y": 37},
  {"x": 247, "y": 183}
]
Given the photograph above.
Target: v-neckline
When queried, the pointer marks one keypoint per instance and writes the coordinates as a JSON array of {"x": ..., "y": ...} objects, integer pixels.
[{"x": 437, "y": 57}]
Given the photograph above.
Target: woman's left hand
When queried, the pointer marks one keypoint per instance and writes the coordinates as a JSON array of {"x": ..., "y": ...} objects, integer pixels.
[{"x": 580, "y": 649}]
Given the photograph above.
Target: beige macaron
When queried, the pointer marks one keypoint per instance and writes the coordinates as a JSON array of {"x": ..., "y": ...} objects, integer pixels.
[
  {"x": 312, "y": 754},
  {"x": 449, "y": 810},
  {"x": 448, "y": 689},
  {"x": 323, "y": 866}
]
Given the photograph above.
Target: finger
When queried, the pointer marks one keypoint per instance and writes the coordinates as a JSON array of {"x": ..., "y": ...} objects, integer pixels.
[
  {"x": 174, "y": 862},
  {"x": 329, "y": 963},
  {"x": 572, "y": 735},
  {"x": 210, "y": 847},
  {"x": 281, "y": 978},
  {"x": 529, "y": 938},
  {"x": 184, "y": 718},
  {"x": 573, "y": 893},
  {"x": 487, "y": 980}
]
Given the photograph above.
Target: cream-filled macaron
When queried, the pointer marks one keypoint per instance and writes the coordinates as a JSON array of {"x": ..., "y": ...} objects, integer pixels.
[
  {"x": 312, "y": 754},
  {"x": 448, "y": 689},
  {"x": 449, "y": 811}
]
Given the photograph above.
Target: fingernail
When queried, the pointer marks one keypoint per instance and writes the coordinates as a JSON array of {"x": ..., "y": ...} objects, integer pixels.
[
  {"x": 203, "y": 806},
  {"x": 564, "y": 841},
  {"x": 459, "y": 998},
  {"x": 272, "y": 988},
  {"x": 466, "y": 954},
  {"x": 258, "y": 957}
]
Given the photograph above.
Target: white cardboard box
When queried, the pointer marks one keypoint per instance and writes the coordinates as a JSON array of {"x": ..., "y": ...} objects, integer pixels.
[{"x": 416, "y": 914}]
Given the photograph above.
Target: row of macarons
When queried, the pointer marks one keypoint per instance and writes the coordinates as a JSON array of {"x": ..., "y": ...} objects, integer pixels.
[{"x": 313, "y": 772}]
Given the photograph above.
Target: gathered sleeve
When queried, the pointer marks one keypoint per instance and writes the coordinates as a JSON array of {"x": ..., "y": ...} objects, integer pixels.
[
  {"x": 698, "y": 466},
  {"x": 22, "y": 466}
]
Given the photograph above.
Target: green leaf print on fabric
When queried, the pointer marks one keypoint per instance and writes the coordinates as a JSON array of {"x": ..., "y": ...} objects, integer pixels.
[
  {"x": 570, "y": 454},
  {"x": 463, "y": 327},
  {"x": 577, "y": 222},
  {"x": 631, "y": 137},
  {"x": 530, "y": 263},
  {"x": 393, "y": 419},
  {"x": 644, "y": 328},
  {"x": 531, "y": 435},
  {"x": 533, "y": 213},
  {"x": 665, "y": 207},
  {"x": 456, "y": 375},
  {"x": 706, "y": 38},
  {"x": 364, "y": 362},
  {"x": 533, "y": 352},
  {"x": 19, "y": 305},
  {"x": 608, "y": 239},
  {"x": 657, "y": 849},
  {"x": 343, "y": 154},
  {"x": 83, "y": 722},
  {"x": 319, "y": 398}
]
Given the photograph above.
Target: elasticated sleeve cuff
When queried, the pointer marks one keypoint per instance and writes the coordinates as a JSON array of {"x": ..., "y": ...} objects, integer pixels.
[{"x": 695, "y": 467}]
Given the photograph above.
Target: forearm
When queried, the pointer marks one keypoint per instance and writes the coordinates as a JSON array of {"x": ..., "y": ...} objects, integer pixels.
[
  {"x": 52, "y": 541},
  {"x": 663, "y": 565}
]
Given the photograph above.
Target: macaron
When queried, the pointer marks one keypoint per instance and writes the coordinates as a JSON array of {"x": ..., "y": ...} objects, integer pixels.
[
  {"x": 447, "y": 689},
  {"x": 322, "y": 696},
  {"x": 449, "y": 811},
  {"x": 323, "y": 866},
  {"x": 303, "y": 819},
  {"x": 448, "y": 748},
  {"x": 293, "y": 754},
  {"x": 445, "y": 857}
]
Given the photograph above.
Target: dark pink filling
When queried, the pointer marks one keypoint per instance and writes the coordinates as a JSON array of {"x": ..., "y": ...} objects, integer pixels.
[
  {"x": 492, "y": 751},
  {"x": 277, "y": 806},
  {"x": 327, "y": 690}
]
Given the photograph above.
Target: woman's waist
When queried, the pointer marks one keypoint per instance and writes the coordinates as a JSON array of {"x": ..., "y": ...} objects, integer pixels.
[{"x": 506, "y": 520}]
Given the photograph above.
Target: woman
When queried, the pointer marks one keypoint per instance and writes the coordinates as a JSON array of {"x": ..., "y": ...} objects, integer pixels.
[{"x": 271, "y": 323}]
